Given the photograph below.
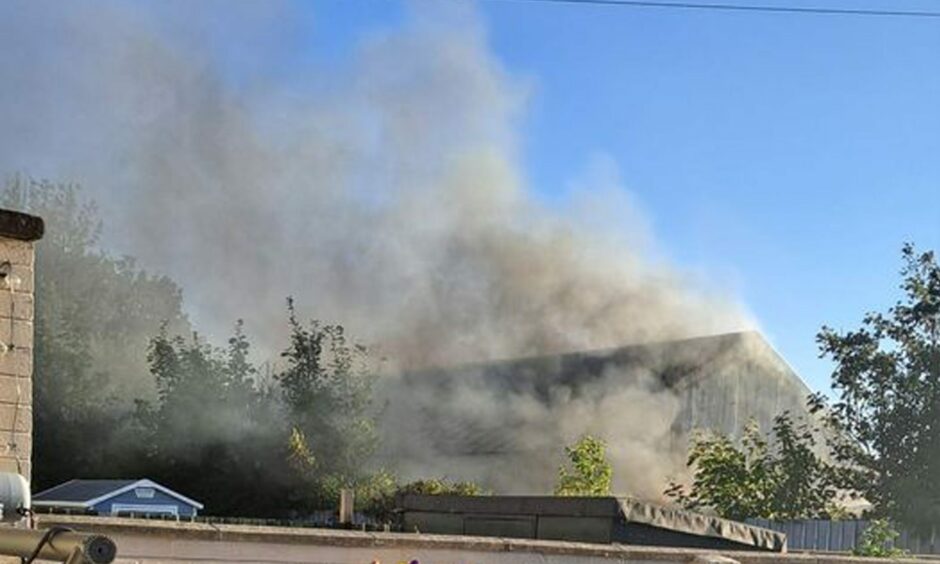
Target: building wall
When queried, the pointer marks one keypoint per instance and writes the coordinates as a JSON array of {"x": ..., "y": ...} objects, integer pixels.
[
  {"x": 16, "y": 357},
  {"x": 485, "y": 423},
  {"x": 742, "y": 383},
  {"x": 130, "y": 498}
]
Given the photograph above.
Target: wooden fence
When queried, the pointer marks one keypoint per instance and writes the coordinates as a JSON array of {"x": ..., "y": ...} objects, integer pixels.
[{"x": 840, "y": 536}]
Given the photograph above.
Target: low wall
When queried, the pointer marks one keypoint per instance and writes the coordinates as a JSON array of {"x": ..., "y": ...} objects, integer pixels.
[{"x": 153, "y": 542}]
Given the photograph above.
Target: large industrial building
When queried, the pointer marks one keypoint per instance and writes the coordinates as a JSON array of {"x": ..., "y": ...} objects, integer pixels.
[{"x": 505, "y": 424}]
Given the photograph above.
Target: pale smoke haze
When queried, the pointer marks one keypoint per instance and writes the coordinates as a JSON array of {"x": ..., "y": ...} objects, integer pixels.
[{"x": 383, "y": 189}]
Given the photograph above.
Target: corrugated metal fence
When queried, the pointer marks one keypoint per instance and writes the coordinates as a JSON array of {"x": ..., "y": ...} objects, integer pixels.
[{"x": 840, "y": 536}]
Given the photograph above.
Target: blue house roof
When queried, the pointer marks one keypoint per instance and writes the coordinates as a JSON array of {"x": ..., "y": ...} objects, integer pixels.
[{"x": 85, "y": 494}]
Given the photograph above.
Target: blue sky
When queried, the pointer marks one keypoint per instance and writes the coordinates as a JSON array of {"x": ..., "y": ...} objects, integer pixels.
[
  {"x": 786, "y": 156},
  {"x": 782, "y": 158}
]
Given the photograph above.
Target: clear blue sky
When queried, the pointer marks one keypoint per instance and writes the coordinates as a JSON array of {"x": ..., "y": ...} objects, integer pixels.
[{"x": 787, "y": 155}]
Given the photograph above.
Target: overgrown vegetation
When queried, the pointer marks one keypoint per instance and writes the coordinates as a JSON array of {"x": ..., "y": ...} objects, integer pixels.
[
  {"x": 587, "y": 472},
  {"x": 94, "y": 316},
  {"x": 121, "y": 392},
  {"x": 780, "y": 478}
]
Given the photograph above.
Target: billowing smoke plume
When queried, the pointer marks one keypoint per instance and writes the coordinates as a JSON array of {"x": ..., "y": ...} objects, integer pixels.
[{"x": 383, "y": 189}]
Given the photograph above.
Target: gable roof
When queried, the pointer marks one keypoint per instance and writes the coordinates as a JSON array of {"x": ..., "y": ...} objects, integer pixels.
[
  {"x": 88, "y": 493},
  {"x": 431, "y": 399},
  {"x": 675, "y": 362}
]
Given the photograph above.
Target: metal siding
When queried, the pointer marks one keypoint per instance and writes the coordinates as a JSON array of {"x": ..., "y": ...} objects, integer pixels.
[
  {"x": 825, "y": 535},
  {"x": 838, "y": 530},
  {"x": 815, "y": 539},
  {"x": 840, "y": 536}
]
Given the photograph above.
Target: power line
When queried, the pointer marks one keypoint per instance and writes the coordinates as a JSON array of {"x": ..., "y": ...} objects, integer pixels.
[{"x": 818, "y": 10}]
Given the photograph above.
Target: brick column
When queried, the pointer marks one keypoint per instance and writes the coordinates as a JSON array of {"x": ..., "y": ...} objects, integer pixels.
[{"x": 18, "y": 234}]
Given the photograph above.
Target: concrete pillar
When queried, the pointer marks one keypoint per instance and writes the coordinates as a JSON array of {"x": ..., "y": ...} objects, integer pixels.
[
  {"x": 346, "y": 502},
  {"x": 18, "y": 234}
]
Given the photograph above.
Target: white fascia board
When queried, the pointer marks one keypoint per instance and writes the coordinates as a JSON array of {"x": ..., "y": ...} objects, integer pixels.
[
  {"x": 109, "y": 495},
  {"x": 145, "y": 483},
  {"x": 171, "y": 493},
  {"x": 43, "y": 503}
]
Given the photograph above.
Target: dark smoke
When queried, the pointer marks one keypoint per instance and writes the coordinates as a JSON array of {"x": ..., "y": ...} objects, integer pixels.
[{"x": 385, "y": 192}]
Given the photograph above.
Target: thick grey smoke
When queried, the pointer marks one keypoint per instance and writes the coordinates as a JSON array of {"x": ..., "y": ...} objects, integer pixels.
[
  {"x": 384, "y": 190},
  {"x": 512, "y": 440}
]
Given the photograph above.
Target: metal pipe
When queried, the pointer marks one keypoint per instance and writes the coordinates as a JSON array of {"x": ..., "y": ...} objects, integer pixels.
[{"x": 61, "y": 546}]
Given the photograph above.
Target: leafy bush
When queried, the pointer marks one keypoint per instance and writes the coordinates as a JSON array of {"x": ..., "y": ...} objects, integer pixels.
[
  {"x": 786, "y": 481},
  {"x": 878, "y": 541},
  {"x": 590, "y": 471},
  {"x": 381, "y": 505}
]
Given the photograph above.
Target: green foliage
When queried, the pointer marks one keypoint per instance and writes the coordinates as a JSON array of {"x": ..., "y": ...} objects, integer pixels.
[
  {"x": 215, "y": 429},
  {"x": 383, "y": 501},
  {"x": 788, "y": 481},
  {"x": 438, "y": 486},
  {"x": 588, "y": 472},
  {"x": 117, "y": 391},
  {"x": 877, "y": 541},
  {"x": 327, "y": 391},
  {"x": 213, "y": 432},
  {"x": 94, "y": 315},
  {"x": 887, "y": 412}
]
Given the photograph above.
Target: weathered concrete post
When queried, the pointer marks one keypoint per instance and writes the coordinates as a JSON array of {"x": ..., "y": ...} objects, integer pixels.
[
  {"x": 346, "y": 502},
  {"x": 18, "y": 234}
]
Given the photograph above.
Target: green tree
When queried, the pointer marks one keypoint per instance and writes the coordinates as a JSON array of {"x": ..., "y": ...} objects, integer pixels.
[
  {"x": 785, "y": 481},
  {"x": 887, "y": 383},
  {"x": 588, "y": 472},
  {"x": 326, "y": 388},
  {"x": 94, "y": 315},
  {"x": 213, "y": 432},
  {"x": 218, "y": 434}
]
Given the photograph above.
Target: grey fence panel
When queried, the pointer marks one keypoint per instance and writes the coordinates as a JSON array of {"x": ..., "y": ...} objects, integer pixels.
[
  {"x": 853, "y": 534},
  {"x": 809, "y": 537},
  {"x": 841, "y": 536},
  {"x": 911, "y": 542},
  {"x": 799, "y": 534},
  {"x": 903, "y": 540},
  {"x": 788, "y": 529},
  {"x": 825, "y": 534},
  {"x": 838, "y": 536}
]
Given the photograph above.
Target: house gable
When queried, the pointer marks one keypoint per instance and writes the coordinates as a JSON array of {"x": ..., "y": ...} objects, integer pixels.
[
  {"x": 103, "y": 496},
  {"x": 145, "y": 500}
]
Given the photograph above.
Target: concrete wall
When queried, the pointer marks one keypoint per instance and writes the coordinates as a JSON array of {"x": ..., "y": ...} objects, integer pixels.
[{"x": 145, "y": 542}]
